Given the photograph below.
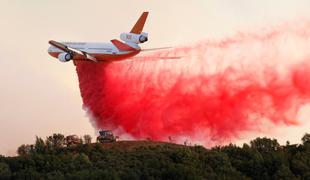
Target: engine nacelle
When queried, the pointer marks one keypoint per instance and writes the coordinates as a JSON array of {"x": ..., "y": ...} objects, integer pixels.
[
  {"x": 64, "y": 57},
  {"x": 134, "y": 38}
]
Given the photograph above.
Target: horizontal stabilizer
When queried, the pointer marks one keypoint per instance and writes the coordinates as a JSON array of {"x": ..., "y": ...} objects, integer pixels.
[
  {"x": 154, "y": 58},
  {"x": 122, "y": 46},
  {"x": 156, "y": 49}
]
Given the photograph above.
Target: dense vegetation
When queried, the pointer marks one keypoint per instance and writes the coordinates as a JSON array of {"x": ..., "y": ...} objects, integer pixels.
[{"x": 263, "y": 158}]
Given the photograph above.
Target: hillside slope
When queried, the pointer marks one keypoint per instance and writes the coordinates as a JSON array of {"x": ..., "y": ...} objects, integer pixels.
[{"x": 263, "y": 159}]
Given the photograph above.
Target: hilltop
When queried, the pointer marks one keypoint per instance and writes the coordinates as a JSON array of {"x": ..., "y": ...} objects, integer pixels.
[
  {"x": 132, "y": 145},
  {"x": 263, "y": 158}
]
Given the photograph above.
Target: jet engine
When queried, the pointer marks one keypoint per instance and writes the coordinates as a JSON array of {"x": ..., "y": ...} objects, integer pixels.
[
  {"x": 64, "y": 57},
  {"x": 134, "y": 38}
]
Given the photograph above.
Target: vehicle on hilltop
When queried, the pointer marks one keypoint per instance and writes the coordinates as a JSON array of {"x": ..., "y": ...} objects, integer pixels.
[{"x": 106, "y": 136}]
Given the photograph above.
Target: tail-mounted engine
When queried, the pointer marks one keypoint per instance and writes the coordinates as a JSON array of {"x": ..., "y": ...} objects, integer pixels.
[{"x": 134, "y": 38}]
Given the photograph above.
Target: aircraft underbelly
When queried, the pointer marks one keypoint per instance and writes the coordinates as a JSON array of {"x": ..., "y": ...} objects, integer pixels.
[
  {"x": 114, "y": 57},
  {"x": 100, "y": 56}
]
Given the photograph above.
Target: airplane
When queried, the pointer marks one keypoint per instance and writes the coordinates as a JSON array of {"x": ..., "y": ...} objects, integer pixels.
[{"x": 105, "y": 52}]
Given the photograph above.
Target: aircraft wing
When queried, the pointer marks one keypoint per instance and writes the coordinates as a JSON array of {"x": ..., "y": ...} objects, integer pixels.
[{"x": 71, "y": 50}]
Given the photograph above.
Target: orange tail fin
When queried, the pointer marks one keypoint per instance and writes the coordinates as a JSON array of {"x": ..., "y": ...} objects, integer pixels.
[{"x": 138, "y": 27}]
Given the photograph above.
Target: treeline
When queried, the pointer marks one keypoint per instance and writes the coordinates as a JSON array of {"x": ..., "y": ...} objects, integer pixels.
[
  {"x": 51, "y": 143},
  {"x": 263, "y": 158}
]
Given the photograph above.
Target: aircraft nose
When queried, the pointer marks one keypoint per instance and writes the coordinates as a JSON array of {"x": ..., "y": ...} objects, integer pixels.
[
  {"x": 49, "y": 49},
  {"x": 52, "y": 52}
]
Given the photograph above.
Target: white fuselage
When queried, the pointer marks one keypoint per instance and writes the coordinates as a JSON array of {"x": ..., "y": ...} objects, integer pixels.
[{"x": 92, "y": 48}]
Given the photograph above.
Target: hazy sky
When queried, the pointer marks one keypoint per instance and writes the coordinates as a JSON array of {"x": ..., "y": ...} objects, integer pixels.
[{"x": 40, "y": 96}]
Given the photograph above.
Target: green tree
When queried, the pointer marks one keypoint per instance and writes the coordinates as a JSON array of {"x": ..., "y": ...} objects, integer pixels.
[
  {"x": 284, "y": 172},
  {"x": 87, "y": 139},
  {"x": 246, "y": 160},
  {"x": 56, "y": 141},
  {"x": 39, "y": 145},
  {"x": 306, "y": 139},
  {"x": 27, "y": 174},
  {"x": 5, "y": 172},
  {"x": 81, "y": 161},
  {"x": 25, "y": 149},
  {"x": 265, "y": 145},
  {"x": 300, "y": 163},
  {"x": 55, "y": 175}
]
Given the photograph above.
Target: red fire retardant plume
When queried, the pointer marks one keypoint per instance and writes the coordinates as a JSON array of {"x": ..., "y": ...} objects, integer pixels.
[{"x": 214, "y": 93}]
